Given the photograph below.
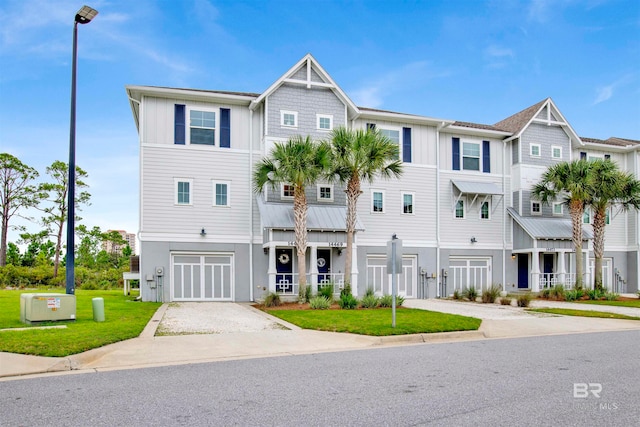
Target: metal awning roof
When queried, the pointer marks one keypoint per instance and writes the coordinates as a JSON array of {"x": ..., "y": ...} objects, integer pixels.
[
  {"x": 547, "y": 228},
  {"x": 471, "y": 187},
  {"x": 319, "y": 218}
]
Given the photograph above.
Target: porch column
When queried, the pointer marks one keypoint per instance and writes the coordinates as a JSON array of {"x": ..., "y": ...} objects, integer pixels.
[
  {"x": 587, "y": 268},
  {"x": 271, "y": 271},
  {"x": 561, "y": 267},
  {"x": 313, "y": 269},
  {"x": 354, "y": 270},
  {"x": 535, "y": 271}
]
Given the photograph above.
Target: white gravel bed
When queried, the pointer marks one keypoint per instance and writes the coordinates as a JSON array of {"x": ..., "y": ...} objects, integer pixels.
[
  {"x": 477, "y": 310},
  {"x": 212, "y": 318},
  {"x": 628, "y": 311}
]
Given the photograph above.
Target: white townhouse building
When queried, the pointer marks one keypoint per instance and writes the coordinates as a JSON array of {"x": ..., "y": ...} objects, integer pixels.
[{"x": 462, "y": 206}]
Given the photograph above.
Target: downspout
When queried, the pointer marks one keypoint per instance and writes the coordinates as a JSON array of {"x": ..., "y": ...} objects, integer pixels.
[
  {"x": 438, "y": 285},
  {"x": 250, "y": 205},
  {"x": 504, "y": 216}
]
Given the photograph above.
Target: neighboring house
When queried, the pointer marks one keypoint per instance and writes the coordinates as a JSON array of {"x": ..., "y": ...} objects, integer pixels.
[
  {"x": 129, "y": 238},
  {"x": 462, "y": 206}
]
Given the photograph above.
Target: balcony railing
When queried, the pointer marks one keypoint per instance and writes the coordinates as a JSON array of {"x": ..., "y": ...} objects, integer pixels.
[{"x": 287, "y": 283}]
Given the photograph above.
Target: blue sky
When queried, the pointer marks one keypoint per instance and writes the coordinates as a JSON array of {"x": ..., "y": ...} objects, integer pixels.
[{"x": 476, "y": 61}]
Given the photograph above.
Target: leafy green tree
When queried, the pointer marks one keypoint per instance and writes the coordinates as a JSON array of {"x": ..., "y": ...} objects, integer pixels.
[
  {"x": 608, "y": 187},
  {"x": 569, "y": 180},
  {"x": 360, "y": 155},
  {"x": 55, "y": 214},
  {"x": 89, "y": 246},
  {"x": 16, "y": 194},
  {"x": 298, "y": 162},
  {"x": 13, "y": 254}
]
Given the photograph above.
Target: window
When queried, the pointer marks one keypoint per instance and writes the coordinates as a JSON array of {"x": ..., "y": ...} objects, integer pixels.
[
  {"x": 377, "y": 198},
  {"x": 289, "y": 118},
  {"x": 556, "y": 152},
  {"x": 393, "y": 135},
  {"x": 407, "y": 203},
  {"x": 325, "y": 122},
  {"x": 534, "y": 150},
  {"x": 484, "y": 210},
  {"x": 470, "y": 156},
  {"x": 607, "y": 217},
  {"x": 202, "y": 125},
  {"x": 287, "y": 191},
  {"x": 536, "y": 209},
  {"x": 325, "y": 193},
  {"x": 586, "y": 216},
  {"x": 183, "y": 191},
  {"x": 558, "y": 209},
  {"x": 459, "y": 209},
  {"x": 221, "y": 193}
]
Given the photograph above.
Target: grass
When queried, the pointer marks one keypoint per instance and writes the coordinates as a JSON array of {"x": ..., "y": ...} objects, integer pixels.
[
  {"x": 378, "y": 322},
  {"x": 626, "y": 303},
  {"x": 584, "y": 313},
  {"x": 124, "y": 319}
]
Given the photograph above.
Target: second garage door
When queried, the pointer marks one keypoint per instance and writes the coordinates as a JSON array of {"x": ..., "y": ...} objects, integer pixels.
[{"x": 202, "y": 277}]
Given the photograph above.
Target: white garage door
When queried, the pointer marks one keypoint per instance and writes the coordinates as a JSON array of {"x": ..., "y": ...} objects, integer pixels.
[
  {"x": 203, "y": 277},
  {"x": 378, "y": 278},
  {"x": 470, "y": 272}
]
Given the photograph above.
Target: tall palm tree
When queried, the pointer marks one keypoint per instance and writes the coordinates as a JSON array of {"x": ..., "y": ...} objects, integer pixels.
[
  {"x": 298, "y": 162},
  {"x": 360, "y": 155},
  {"x": 570, "y": 180},
  {"x": 609, "y": 186}
]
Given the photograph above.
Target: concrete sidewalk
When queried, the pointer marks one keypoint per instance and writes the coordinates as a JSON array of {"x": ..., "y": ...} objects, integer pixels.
[{"x": 149, "y": 350}]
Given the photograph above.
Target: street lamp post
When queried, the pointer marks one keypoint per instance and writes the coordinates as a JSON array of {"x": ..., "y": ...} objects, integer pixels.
[{"x": 84, "y": 16}]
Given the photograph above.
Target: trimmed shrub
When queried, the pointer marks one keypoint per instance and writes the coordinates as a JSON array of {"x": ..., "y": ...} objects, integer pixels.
[
  {"x": 557, "y": 292},
  {"x": 595, "y": 294},
  {"x": 611, "y": 296},
  {"x": 524, "y": 300},
  {"x": 326, "y": 291},
  {"x": 505, "y": 301},
  {"x": 470, "y": 293},
  {"x": 347, "y": 302},
  {"x": 571, "y": 295},
  {"x": 369, "y": 292},
  {"x": 370, "y": 301},
  {"x": 545, "y": 293},
  {"x": 319, "y": 303},
  {"x": 346, "y": 290},
  {"x": 456, "y": 294},
  {"x": 490, "y": 295},
  {"x": 272, "y": 299}
]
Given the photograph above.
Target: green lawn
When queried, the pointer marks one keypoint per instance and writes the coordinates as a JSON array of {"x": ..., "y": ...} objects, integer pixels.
[
  {"x": 377, "y": 322},
  {"x": 124, "y": 319},
  {"x": 584, "y": 313},
  {"x": 628, "y": 303}
]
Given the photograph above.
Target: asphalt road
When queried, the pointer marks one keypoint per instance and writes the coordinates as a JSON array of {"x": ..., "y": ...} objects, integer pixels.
[{"x": 524, "y": 382}]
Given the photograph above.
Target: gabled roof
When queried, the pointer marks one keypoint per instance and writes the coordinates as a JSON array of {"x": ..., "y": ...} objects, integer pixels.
[
  {"x": 310, "y": 63},
  {"x": 547, "y": 228},
  {"x": 319, "y": 218},
  {"x": 516, "y": 123}
]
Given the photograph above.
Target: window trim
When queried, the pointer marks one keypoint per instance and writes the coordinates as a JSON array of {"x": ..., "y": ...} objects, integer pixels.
[
  {"x": 539, "y": 213},
  {"x": 318, "y": 190},
  {"x": 561, "y": 209},
  {"x": 462, "y": 200},
  {"x": 531, "y": 145},
  {"x": 380, "y": 128},
  {"x": 488, "y": 210},
  {"x": 373, "y": 200},
  {"x": 587, "y": 211},
  {"x": 176, "y": 181},
  {"x": 295, "y": 118},
  {"x": 462, "y": 156},
  {"x": 216, "y": 129},
  {"x": 282, "y": 195},
  {"x": 324, "y": 116},
  {"x": 553, "y": 148},
  {"x": 413, "y": 202},
  {"x": 214, "y": 182}
]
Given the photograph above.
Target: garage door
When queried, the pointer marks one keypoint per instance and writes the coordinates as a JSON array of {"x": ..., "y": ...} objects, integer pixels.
[
  {"x": 378, "y": 278},
  {"x": 205, "y": 277},
  {"x": 470, "y": 272}
]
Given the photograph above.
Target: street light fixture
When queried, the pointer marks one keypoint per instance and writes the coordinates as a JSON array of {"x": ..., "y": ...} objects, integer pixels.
[{"x": 84, "y": 16}]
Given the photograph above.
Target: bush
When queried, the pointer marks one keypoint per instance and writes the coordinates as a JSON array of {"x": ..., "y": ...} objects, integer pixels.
[
  {"x": 326, "y": 291},
  {"x": 456, "y": 294},
  {"x": 490, "y": 295},
  {"x": 399, "y": 300},
  {"x": 595, "y": 294},
  {"x": 348, "y": 302},
  {"x": 346, "y": 290},
  {"x": 638, "y": 293},
  {"x": 369, "y": 292},
  {"x": 319, "y": 303},
  {"x": 470, "y": 293},
  {"x": 307, "y": 294},
  {"x": 557, "y": 292},
  {"x": 579, "y": 292},
  {"x": 505, "y": 301},
  {"x": 545, "y": 293},
  {"x": 524, "y": 300},
  {"x": 571, "y": 295},
  {"x": 272, "y": 299},
  {"x": 370, "y": 301},
  {"x": 611, "y": 296}
]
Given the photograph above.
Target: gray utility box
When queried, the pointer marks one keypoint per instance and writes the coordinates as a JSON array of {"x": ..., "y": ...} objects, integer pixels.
[{"x": 47, "y": 307}]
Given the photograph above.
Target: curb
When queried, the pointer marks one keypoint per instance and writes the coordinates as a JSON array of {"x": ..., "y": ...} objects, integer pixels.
[{"x": 430, "y": 338}]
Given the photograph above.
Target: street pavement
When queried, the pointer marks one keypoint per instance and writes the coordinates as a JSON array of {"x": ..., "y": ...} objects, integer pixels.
[{"x": 254, "y": 334}]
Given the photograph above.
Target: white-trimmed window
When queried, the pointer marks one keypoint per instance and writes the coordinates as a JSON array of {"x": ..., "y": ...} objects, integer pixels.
[
  {"x": 324, "y": 121},
  {"x": 377, "y": 201},
  {"x": 485, "y": 209},
  {"x": 459, "y": 209},
  {"x": 534, "y": 150},
  {"x": 202, "y": 127},
  {"x": 556, "y": 152},
  {"x": 558, "y": 209},
  {"x": 183, "y": 188},
  {"x": 394, "y": 135},
  {"x": 607, "y": 216},
  {"x": 325, "y": 193},
  {"x": 289, "y": 118},
  {"x": 286, "y": 191},
  {"x": 586, "y": 216},
  {"x": 536, "y": 208},
  {"x": 407, "y": 203},
  {"x": 471, "y": 156},
  {"x": 221, "y": 193}
]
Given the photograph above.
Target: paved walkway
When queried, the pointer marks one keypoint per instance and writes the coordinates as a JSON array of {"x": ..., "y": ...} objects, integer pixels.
[{"x": 256, "y": 334}]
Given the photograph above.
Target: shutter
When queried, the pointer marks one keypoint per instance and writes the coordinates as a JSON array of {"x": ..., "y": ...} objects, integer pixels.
[
  {"x": 406, "y": 145},
  {"x": 225, "y": 128},
  {"x": 371, "y": 126},
  {"x": 583, "y": 155},
  {"x": 179, "y": 125},
  {"x": 486, "y": 157},
  {"x": 456, "y": 153}
]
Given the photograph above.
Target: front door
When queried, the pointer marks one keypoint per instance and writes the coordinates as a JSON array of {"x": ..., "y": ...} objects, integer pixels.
[
  {"x": 324, "y": 266},
  {"x": 523, "y": 271},
  {"x": 284, "y": 269}
]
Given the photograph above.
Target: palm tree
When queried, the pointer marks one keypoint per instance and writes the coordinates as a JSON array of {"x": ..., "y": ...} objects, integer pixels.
[
  {"x": 360, "y": 155},
  {"x": 298, "y": 162},
  {"x": 609, "y": 186},
  {"x": 570, "y": 179}
]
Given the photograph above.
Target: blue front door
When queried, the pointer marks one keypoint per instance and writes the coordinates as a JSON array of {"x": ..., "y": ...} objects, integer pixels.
[
  {"x": 523, "y": 271},
  {"x": 324, "y": 266},
  {"x": 284, "y": 268}
]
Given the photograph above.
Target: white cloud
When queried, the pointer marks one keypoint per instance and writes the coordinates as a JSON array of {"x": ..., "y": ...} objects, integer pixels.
[
  {"x": 604, "y": 93},
  {"x": 497, "y": 57}
]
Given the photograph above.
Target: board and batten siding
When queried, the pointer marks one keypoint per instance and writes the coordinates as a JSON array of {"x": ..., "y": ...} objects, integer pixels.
[
  {"x": 496, "y": 156},
  {"x": 160, "y": 214}
]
